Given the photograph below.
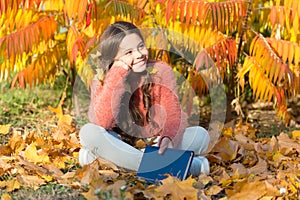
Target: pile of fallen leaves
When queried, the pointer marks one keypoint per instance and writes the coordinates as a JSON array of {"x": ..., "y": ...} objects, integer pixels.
[{"x": 242, "y": 166}]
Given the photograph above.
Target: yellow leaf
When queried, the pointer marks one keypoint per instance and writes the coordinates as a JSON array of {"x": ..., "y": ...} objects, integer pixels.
[
  {"x": 4, "y": 129},
  {"x": 6, "y": 196},
  {"x": 227, "y": 132},
  {"x": 296, "y": 24},
  {"x": 296, "y": 134},
  {"x": 47, "y": 178},
  {"x": 12, "y": 185},
  {"x": 32, "y": 155},
  {"x": 89, "y": 31}
]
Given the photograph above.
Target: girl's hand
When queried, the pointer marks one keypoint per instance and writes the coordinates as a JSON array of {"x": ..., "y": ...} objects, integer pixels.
[
  {"x": 164, "y": 144},
  {"x": 121, "y": 63}
]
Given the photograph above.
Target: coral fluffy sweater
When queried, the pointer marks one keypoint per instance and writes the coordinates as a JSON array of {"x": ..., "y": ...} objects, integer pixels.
[{"x": 106, "y": 97}]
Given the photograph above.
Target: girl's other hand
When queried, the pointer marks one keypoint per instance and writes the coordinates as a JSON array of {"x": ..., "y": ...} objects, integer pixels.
[{"x": 164, "y": 144}]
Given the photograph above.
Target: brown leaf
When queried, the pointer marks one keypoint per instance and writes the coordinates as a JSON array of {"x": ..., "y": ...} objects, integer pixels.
[
  {"x": 226, "y": 149},
  {"x": 87, "y": 174},
  {"x": 287, "y": 145},
  {"x": 213, "y": 190},
  {"x": 5, "y": 150},
  {"x": 246, "y": 142},
  {"x": 239, "y": 170},
  {"x": 247, "y": 190},
  {"x": 4, "y": 166},
  {"x": 177, "y": 189},
  {"x": 33, "y": 167},
  {"x": 31, "y": 181}
]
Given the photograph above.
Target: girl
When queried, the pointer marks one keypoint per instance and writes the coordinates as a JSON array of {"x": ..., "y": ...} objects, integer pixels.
[{"x": 133, "y": 97}]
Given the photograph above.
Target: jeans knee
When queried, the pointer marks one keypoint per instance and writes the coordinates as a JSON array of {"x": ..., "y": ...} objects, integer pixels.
[{"x": 88, "y": 131}]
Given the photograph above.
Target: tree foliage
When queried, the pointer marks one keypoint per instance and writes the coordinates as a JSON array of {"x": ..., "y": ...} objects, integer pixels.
[{"x": 253, "y": 43}]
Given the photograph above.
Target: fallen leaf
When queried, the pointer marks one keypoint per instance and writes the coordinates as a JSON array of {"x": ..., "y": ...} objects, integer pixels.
[
  {"x": 12, "y": 185},
  {"x": 4, "y": 167},
  {"x": 247, "y": 190},
  {"x": 5, "y": 196},
  {"x": 177, "y": 189},
  {"x": 31, "y": 181},
  {"x": 213, "y": 190},
  {"x": 296, "y": 134},
  {"x": 87, "y": 174},
  {"x": 5, "y": 150},
  {"x": 5, "y": 129},
  {"x": 239, "y": 170},
  {"x": 16, "y": 143},
  {"x": 226, "y": 149},
  {"x": 260, "y": 168},
  {"x": 287, "y": 145},
  {"x": 32, "y": 155},
  {"x": 227, "y": 132}
]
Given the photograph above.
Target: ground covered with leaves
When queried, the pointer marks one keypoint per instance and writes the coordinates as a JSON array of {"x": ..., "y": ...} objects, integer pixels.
[{"x": 39, "y": 148}]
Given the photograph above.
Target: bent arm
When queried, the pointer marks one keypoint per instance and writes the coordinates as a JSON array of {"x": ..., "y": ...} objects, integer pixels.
[{"x": 105, "y": 98}]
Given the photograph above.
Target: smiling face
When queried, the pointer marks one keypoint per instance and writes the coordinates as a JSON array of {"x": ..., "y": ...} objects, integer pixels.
[{"x": 133, "y": 52}]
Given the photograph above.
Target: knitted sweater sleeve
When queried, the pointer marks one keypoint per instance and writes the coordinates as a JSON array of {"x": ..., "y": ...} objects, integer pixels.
[
  {"x": 176, "y": 121},
  {"x": 105, "y": 98}
]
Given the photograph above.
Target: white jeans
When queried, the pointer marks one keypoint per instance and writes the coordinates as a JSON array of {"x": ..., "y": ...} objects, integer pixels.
[{"x": 96, "y": 141}]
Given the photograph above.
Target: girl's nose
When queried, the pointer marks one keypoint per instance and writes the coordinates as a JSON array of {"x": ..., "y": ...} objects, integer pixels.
[{"x": 137, "y": 53}]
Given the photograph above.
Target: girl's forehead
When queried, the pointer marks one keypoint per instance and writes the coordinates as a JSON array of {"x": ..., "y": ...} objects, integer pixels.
[{"x": 130, "y": 41}]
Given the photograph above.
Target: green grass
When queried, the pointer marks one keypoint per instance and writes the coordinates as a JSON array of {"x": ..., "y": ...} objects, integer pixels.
[{"x": 51, "y": 191}]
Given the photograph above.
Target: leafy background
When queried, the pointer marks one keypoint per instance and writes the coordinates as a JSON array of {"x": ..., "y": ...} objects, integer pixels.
[{"x": 255, "y": 46}]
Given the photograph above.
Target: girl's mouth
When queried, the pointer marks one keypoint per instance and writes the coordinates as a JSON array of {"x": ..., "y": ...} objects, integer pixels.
[{"x": 140, "y": 62}]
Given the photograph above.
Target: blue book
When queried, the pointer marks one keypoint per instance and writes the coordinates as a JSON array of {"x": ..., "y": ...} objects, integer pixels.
[{"x": 154, "y": 167}]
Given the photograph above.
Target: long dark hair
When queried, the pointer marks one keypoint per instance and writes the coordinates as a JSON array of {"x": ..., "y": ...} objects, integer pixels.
[{"x": 130, "y": 120}]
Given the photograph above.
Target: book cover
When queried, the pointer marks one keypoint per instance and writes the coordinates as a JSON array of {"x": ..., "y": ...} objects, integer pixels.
[{"x": 155, "y": 166}]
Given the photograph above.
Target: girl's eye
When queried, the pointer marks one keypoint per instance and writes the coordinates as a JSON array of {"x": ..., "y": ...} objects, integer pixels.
[
  {"x": 128, "y": 52},
  {"x": 141, "y": 46}
]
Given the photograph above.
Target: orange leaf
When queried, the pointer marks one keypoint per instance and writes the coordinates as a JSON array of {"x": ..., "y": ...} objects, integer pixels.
[
  {"x": 188, "y": 13},
  {"x": 169, "y": 10},
  {"x": 182, "y": 10},
  {"x": 175, "y": 9},
  {"x": 177, "y": 189}
]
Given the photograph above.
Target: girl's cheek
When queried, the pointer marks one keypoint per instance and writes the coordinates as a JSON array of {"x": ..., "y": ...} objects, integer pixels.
[{"x": 128, "y": 60}]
